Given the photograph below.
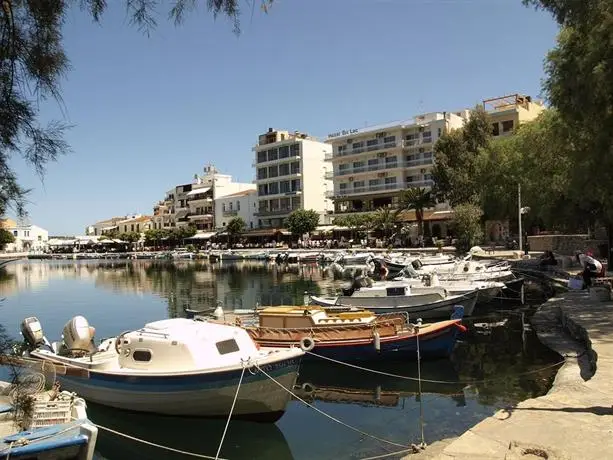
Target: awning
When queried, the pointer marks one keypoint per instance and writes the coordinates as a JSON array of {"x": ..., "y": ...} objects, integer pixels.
[
  {"x": 266, "y": 232},
  {"x": 326, "y": 228},
  {"x": 202, "y": 236},
  {"x": 109, "y": 228},
  {"x": 57, "y": 242},
  {"x": 198, "y": 191},
  {"x": 409, "y": 216}
]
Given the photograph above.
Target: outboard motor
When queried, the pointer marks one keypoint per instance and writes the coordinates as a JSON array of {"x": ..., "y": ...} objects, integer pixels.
[
  {"x": 78, "y": 335},
  {"x": 32, "y": 332}
]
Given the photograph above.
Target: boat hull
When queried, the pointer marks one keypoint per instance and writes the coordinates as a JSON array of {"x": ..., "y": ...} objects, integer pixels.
[
  {"x": 439, "y": 309},
  {"x": 205, "y": 395},
  {"x": 434, "y": 345}
]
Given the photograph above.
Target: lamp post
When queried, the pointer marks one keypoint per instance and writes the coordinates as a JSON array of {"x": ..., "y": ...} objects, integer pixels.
[{"x": 521, "y": 212}]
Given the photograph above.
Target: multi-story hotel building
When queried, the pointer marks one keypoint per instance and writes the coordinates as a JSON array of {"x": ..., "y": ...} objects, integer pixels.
[
  {"x": 291, "y": 174},
  {"x": 192, "y": 204},
  {"x": 372, "y": 165}
]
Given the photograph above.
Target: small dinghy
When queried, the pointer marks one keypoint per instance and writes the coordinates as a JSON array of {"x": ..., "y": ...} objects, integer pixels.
[{"x": 172, "y": 367}]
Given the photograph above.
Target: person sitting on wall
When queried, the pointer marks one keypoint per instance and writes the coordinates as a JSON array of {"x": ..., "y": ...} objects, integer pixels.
[
  {"x": 548, "y": 259},
  {"x": 591, "y": 267}
]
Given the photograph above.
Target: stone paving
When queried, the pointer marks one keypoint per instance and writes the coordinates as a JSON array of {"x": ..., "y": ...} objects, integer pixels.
[{"x": 575, "y": 419}]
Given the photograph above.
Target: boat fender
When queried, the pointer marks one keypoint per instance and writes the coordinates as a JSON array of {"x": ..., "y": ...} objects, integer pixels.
[
  {"x": 461, "y": 327},
  {"x": 377, "y": 341},
  {"x": 307, "y": 343}
]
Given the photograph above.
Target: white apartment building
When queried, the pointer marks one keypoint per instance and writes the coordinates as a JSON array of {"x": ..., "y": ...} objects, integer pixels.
[
  {"x": 193, "y": 203},
  {"x": 27, "y": 238},
  {"x": 240, "y": 204},
  {"x": 372, "y": 165},
  {"x": 291, "y": 173}
]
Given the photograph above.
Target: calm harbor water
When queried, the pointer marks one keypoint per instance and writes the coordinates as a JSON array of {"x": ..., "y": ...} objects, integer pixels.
[{"x": 120, "y": 295}]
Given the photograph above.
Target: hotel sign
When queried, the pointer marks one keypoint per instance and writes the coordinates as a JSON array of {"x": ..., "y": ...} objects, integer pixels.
[{"x": 344, "y": 132}]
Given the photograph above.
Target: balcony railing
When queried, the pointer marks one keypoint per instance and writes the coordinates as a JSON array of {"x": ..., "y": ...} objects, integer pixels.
[
  {"x": 366, "y": 189},
  {"x": 418, "y": 162},
  {"x": 367, "y": 148},
  {"x": 277, "y": 160},
  {"x": 275, "y": 212},
  {"x": 200, "y": 216},
  {"x": 416, "y": 142},
  {"x": 229, "y": 212},
  {"x": 420, "y": 183}
]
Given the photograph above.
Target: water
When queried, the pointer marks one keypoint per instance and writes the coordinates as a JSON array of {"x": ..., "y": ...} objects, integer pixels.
[{"x": 121, "y": 295}]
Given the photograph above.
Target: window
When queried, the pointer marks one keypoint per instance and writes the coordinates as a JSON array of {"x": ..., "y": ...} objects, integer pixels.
[
  {"x": 358, "y": 165},
  {"x": 358, "y": 184},
  {"x": 40, "y": 238},
  {"x": 427, "y": 134},
  {"x": 284, "y": 186},
  {"x": 390, "y": 180},
  {"x": 507, "y": 126},
  {"x": 373, "y": 163},
  {"x": 132, "y": 227},
  {"x": 284, "y": 169},
  {"x": 371, "y": 142},
  {"x": 262, "y": 173},
  {"x": 342, "y": 186},
  {"x": 263, "y": 189},
  {"x": 261, "y": 158},
  {"x": 428, "y": 155},
  {"x": 227, "y": 346},
  {"x": 295, "y": 185},
  {"x": 14, "y": 232},
  {"x": 357, "y": 145},
  {"x": 495, "y": 129},
  {"x": 391, "y": 160},
  {"x": 284, "y": 151},
  {"x": 343, "y": 168},
  {"x": 389, "y": 139},
  {"x": 273, "y": 188},
  {"x": 141, "y": 355},
  {"x": 294, "y": 150},
  {"x": 440, "y": 131},
  {"x": 374, "y": 182},
  {"x": 295, "y": 167},
  {"x": 230, "y": 206},
  {"x": 238, "y": 205},
  {"x": 273, "y": 171},
  {"x": 273, "y": 154},
  {"x": 223, "y": 207}
]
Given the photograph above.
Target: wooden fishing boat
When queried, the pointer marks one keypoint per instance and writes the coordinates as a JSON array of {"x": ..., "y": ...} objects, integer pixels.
[{"x": 357, "y": 335}]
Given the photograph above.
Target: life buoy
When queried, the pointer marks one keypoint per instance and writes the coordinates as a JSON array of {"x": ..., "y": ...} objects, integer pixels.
[
  {"x": 308, "y": 388},
  {"x": 307, "y": 343}
]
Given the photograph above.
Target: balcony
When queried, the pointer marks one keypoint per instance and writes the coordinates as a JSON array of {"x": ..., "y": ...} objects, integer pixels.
[
  {"x": 420, "y": 183},
  {"x": 366, "y": 189},
  {"x": 368, "y": 168},
  {"x": 276, "y": 212},
  {"x": 229, "y": 213},
  {"x": 198, "y": 216},
  {"x": 368, "y": 148},
  {"x": 418, "y": 162},
  {"x": 278, "y": 160},
  {"x": 408, "y": 143},
  {"x": 272, "y": 195}
]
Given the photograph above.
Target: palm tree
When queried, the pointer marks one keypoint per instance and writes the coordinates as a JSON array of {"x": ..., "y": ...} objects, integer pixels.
[
  {"x": 418, "y": 199},
  {"x": 386, "y": 219}
]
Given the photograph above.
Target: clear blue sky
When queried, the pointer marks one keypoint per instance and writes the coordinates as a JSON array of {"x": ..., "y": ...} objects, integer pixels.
[{"x": 148, "y": 113}]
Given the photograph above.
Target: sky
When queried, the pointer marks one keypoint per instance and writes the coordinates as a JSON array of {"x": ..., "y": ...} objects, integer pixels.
[{"x": 147, "y": 113}]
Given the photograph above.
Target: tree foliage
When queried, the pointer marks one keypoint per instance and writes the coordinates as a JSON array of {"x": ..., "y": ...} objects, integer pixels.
[
  {"x": 236, "y": 226},
  {"x": 32, "y": 63},
  {"x": 129, "y": 237},
  {"x": 579, "y": 84},
  {"x": 356, "y": 223},
  {"x": 467, "y": 226},
  {"x": 6, "y": 237},
  {"x": 302, "y": 221},
  {"x": 418, "y": 199},
  {"x": 457, "y": 155},
  {"x": 386, "y": 220}
]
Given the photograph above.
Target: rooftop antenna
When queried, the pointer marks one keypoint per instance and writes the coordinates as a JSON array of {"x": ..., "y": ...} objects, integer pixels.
[{"x": 420, "y": 107}]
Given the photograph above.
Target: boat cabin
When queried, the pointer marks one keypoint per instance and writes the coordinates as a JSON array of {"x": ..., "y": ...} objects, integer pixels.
[
  {"x": 288, "y": 317},
  {"x": 179, "y": 344}
]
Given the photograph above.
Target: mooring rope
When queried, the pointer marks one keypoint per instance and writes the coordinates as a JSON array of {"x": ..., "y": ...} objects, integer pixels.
[
  {"x": 450, "y": 382},
  {"x": 328, "y": 415},
  {"x": 389, "y": 454},
  {"x": 149, "y": 443},
  {"x": 223, "y": 436}
]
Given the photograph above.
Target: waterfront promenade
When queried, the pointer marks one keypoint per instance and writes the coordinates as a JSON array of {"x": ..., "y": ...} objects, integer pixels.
[{"x": 574, "y": 420}]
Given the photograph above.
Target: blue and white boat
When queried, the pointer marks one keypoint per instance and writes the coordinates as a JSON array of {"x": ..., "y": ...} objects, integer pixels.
[
  {"x": 172, "y": 367},
  {"x": 56, "y": 427}
]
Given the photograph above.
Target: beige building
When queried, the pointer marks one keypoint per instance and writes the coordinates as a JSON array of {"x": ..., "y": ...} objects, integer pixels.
[
  {"x": 506, "y": 113},
  {"x": 193, "y": 203},
  {"x": 291, "y": 174},
  {"x": 107, "y": 225},
  {"x": 138, "y": 224},
  {"x": 372, "y": 165}
]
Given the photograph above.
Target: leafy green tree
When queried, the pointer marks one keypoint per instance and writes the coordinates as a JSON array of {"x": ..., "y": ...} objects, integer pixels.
[
  {"x": 6, "y": 237},
  {"x": 112, "y": 234},
  {"x": 467, "y": 226},
  {"x": 302, "y": 221},
  {"x": 355, "y": 222},
  {"x": 579, "y": 84},
  {"x": 154, "y": 237},
  {"x": 32, "y": 63},
  {"x": 458, "y": 155},
  {"x": 418, "y": 199},
  {"x": 235, "y": 227},
  {"x": 129, "y": 237}
]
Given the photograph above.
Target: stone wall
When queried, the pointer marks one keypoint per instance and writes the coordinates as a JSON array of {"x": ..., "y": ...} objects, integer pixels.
[{"x": 566, "y": 244}]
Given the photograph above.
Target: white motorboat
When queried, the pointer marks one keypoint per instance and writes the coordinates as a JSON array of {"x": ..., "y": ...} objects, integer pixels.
[
  {"x": 399, "y": 296},
  {"x": 355, "y": 258},
  {"x": 172, "y": 367}
]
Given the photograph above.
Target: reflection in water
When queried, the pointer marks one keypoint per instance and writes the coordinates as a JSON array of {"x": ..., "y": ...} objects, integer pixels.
[
  {"x": 119, "y": 295},
  {"x": 244, "y": 440}
]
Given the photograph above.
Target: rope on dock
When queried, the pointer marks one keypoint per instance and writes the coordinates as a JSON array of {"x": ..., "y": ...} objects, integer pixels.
[
  {"x": 387, "y": 441},
  {"x": 415, "y": 379},
  {"x": 149, "y": 443},
  {"x": 225, "y": 430}
]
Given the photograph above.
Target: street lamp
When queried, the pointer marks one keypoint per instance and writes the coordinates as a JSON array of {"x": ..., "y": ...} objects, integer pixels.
[{"x": 521, "y": 212}]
